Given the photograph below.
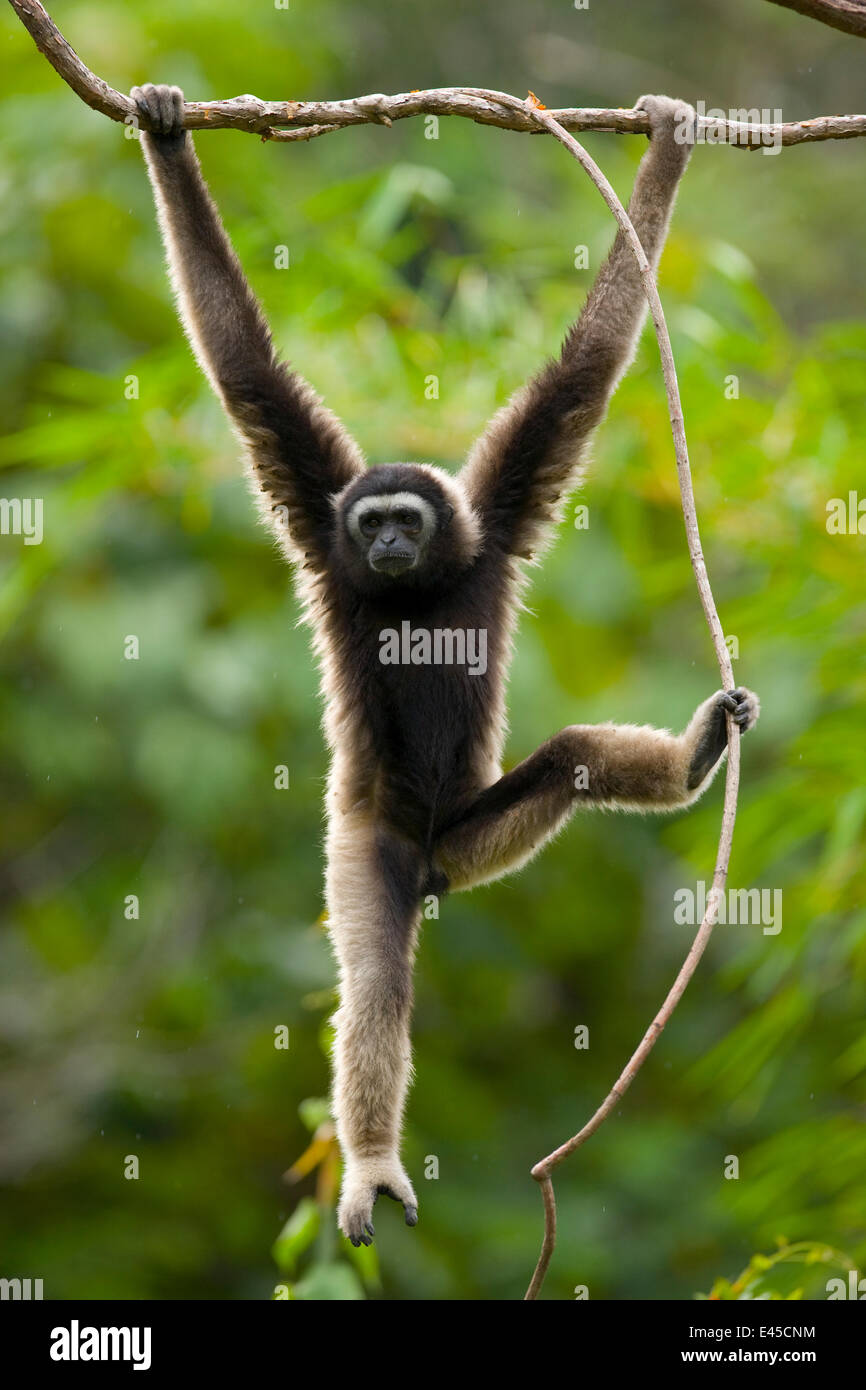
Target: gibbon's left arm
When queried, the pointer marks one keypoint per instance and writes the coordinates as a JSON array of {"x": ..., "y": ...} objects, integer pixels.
[
  {"x": 523, "y": 467},
  {"x": 299, "y": 452}
]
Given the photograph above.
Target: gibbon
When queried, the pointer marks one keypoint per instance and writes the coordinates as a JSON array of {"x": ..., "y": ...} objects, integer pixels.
[{"x": 405, "y": 556}]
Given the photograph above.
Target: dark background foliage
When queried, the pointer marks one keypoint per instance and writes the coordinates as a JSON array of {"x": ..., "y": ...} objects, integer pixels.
[{"x": 154, "y": 777}]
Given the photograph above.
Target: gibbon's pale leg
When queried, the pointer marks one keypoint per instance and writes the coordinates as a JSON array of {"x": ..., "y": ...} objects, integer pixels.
[
  {"x": 623, "y": 767},
  {"x": 373, "y": 891}
]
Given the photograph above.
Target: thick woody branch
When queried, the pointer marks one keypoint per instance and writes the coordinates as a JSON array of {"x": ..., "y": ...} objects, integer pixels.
[
  {"x": 543, "y": 1170},
  {"x": 305, "y": 120},
  {"x": 847, "y": 15}
]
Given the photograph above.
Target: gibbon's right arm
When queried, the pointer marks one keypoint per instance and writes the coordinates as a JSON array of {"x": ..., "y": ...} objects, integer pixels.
[
  {"x": 299, "y": 451},
  {"x": 522, "y": 469}
]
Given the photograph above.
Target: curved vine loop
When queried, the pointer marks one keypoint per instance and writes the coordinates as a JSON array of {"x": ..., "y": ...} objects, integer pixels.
[{"x": 543, "y": 1169}]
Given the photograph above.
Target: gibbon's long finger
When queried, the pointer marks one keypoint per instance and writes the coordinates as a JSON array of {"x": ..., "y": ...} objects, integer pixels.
[
  {"x": 163, "y": 105},
  {"x": 299, "y": 452},
  {"x": 520, "y": 472}
]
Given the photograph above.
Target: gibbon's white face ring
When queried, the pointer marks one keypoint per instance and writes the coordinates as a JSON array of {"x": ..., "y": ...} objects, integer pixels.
[{"x": 385, "y": 502}]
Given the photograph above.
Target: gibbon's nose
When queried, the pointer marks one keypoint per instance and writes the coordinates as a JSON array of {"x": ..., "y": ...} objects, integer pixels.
[{"x": 387, "y": 537}]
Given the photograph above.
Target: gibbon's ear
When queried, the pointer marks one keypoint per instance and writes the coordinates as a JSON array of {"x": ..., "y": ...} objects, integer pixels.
[{"x": 449, "y": 513}]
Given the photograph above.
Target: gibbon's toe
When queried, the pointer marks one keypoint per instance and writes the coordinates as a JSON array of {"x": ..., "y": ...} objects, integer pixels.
[
  {"x": 745, "y": 707},
  {"x": 406, "y": 1197},
  {"x": 362, "y": 1186},
  {"x": 354, "y": 1220}
]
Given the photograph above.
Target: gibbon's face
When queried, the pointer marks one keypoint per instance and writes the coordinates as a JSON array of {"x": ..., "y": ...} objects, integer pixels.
[
  {"x": 392, "y": 530},
  {"x": 398, "y": 527}
]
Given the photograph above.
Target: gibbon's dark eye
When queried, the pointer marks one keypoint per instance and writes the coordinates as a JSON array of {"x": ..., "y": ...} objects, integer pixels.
[
  {"x": 409, "y": 520},
  {"x": 371, "y": 522}
]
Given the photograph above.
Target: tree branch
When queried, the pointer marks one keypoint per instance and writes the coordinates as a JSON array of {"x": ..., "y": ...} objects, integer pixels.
[
  {"x": 543, "y": 1170},
  {"x": 305, "y": 120},
  {"x": 847, "y": 15}
]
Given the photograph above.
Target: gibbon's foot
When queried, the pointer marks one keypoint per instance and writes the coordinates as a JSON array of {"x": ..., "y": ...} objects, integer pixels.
[
  {"x": 163, "y": 105},
  {"x": 363, "y": 1182},
  {"x": 744, "y": 706},
  {"x": 668, "y": 116}
]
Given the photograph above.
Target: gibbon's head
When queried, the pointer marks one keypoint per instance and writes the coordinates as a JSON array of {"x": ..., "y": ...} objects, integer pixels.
[{"x": 405, "y": 524}]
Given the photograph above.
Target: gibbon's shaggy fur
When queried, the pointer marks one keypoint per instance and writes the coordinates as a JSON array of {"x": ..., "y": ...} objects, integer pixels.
[{"x": 417, "y": 802}]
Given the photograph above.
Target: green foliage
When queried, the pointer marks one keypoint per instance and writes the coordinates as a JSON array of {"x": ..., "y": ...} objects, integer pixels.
[
  {"x": 791, "y": 1272},
  {"x": 333, "y": 1268},
  {"x": 297, "y": 1235},
  {"x": 151, "y": 1030},
  {"x": 333, "y": 1282}
]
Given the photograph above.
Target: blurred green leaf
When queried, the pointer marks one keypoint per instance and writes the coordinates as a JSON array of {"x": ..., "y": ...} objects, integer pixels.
[
  {"x": 333, "y": 1282},
  {"x": 297, "y": 1235}
]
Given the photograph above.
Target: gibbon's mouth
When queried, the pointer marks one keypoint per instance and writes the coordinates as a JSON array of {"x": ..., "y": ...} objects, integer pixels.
[{"x": 394, "y": 562}]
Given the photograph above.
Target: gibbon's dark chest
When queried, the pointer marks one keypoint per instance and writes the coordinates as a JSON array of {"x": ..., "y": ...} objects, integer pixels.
[
  {"x": 427, "y": 724},
  {"x": 424, "y": 675}
]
